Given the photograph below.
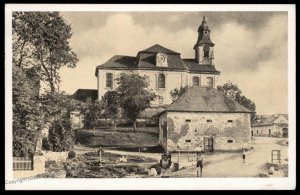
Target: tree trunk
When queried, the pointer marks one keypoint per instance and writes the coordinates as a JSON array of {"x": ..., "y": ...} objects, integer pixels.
[
  {"x": 134, "y": 125},
  {"x": 115, "y": 125}
]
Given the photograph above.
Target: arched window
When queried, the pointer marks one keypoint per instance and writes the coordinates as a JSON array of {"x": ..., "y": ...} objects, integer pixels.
[
  {"x": 210, "y": 81},
  {"x": 161, "y": 81},
  {"x": 196, "y": 81},
  {"x": 109, "y": 80}
]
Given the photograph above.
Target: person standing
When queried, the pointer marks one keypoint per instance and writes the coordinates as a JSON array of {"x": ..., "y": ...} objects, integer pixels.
[
  {"x": 199, "y": 164},
  {"x": 244, "y": 155},
  {"x": 165, "y": 164}
]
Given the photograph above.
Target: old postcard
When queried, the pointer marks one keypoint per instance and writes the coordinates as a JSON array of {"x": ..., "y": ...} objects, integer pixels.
[{"x": 150, "y": 97}]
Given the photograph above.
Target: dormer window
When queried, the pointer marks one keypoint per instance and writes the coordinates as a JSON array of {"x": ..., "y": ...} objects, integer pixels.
[{"x": 161, "y": 60}]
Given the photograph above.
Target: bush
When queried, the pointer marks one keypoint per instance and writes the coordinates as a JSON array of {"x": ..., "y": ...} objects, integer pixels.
[{"x": 71, "y": 154}]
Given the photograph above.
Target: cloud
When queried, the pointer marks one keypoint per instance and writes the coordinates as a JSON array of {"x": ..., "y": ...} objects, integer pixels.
[{"x": 254, "y": 58}]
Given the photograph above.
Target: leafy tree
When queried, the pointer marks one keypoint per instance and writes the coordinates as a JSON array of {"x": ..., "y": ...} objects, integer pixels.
[
  {"x": 27, "y": 120},
  {"x": 134, "y": 95},
  {"x": 42, "y": 38},
  {"x": 111, "y": 105},
  {"x": 233, "y": 92},
  {"x": 176, "y": 93},
  {"x": 92, "y": 113}
]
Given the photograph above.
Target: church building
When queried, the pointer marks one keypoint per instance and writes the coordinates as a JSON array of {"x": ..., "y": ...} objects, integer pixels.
[{"x": 165, "y": 68}]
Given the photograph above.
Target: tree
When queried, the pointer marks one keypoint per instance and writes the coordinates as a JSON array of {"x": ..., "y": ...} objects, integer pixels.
[
  {"x": 233, "y": 92},
  {"x": 42, "y": 38},
  {"x": 134, "y": 95},
  {"x": 176, "y": 93},
  {"x": 92, "y": 113},
  {"x": 27, "y": 120},
  {"x": 111, "y": 105}
]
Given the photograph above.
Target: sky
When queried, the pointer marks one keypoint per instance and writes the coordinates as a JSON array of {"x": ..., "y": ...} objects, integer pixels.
[{"x": 250, "y": 51}]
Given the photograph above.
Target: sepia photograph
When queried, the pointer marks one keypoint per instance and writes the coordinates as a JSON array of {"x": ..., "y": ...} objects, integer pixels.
[{"x": 150, "y": 97}]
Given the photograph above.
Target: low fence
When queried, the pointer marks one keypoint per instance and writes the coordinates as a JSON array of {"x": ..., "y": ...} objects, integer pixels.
[
  {"x": 28, "y": 167},
  {"x": 22, "y": 163}
]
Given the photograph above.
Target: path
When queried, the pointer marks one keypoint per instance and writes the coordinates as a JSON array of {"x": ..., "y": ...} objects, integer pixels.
[{"x": 231, "y": 164}]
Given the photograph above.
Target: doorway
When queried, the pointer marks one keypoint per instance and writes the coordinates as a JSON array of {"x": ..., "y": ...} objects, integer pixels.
[
  {"x": 269, "y": 132},
  {"x": 208, "y": 144}
]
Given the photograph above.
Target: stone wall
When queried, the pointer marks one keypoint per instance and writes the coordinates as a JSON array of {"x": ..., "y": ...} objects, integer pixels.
[
  {"x": 186, "y": 131},
  {"x": 55, "y": 156}
]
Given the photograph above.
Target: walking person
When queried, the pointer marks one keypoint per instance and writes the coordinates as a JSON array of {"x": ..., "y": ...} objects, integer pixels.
[
  {"x": 244, "y": 155},
  {"x": 199, "y": 164}
]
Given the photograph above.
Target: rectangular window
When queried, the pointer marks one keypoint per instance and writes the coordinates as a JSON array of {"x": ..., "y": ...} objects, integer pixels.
[
  {"x": 188, "y": 120},
  {"x": 230, "y": 141},
  {"x": 230, "y": 121},
  {"x": 209, "y": 120},
  {"x": 109, "y": 80},
  {"x": 188, "y": 140}
]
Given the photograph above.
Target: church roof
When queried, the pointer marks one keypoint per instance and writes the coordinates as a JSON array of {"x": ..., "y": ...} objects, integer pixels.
[
  {"x": 194, "y": 66},
  {"x": 205, "y": 99},
  {"x": 158, "y": 49},
  {"x": 146, "y": 60}
]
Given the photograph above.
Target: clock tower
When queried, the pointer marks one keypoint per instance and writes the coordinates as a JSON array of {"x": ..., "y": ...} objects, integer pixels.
[{"x": 204, "y": 48}]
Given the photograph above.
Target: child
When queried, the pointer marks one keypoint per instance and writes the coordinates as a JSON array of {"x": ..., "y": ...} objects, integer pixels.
[
  {"x": 244, "y": 155},
  {"x": 199, "y": 165}
]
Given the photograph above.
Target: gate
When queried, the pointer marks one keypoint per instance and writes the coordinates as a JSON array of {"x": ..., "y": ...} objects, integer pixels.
[{"x": 22, "y": 164}]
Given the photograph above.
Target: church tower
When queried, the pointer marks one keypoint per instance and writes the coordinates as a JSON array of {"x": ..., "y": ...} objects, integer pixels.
[{"x": 204, "y": 48}]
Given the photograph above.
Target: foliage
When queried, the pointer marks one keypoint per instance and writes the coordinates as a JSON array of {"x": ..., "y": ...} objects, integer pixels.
[
  {"x": 92, "y": 112},
  {"x": 111, "y": 105},
  {"x": 176, "y": 93},
  {"x": 42, "y": 38},
  {"x": 71, "y": 154},
  {"x": 134, "y": 95},
  {"x": 27, "y": 120},
  {"x": 60, "y": 135},
  {"x": 233, "y": 92}
]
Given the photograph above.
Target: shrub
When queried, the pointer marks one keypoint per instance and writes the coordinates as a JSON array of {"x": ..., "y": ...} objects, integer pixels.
[{"x": 71, "y": 154}]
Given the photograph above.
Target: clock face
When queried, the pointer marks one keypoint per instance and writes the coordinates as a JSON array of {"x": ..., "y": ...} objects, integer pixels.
[{"x": 161, "y": 58}]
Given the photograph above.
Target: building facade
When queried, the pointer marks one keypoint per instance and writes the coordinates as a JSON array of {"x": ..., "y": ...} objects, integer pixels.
[
  {"x": 204, "y": 119},
  {"x": 164, "y": 67},
  {"x": 270, "y": 125}
]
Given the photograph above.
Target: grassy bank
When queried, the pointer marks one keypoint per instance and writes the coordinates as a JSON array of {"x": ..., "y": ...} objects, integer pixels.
[{"x": 116, "y": 139}]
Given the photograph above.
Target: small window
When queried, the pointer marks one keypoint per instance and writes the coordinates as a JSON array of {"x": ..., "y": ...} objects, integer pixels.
[
  {"x": 230, "y": 121},
  {"x": 257, "y": 131},
  {"x": 195, "y": 130},
  {"x": 161, "y": 81},
  {"x": 109, "y": 80},
  {"x": 230, "y": 141},
  {"x": 188, "y": 120},
  {"x": 188, "y": 140},
  {"x": 209, "y": 120},
  {"x": 196, "y": 81}
]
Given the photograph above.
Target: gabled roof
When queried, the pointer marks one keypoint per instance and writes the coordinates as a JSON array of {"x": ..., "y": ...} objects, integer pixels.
[
  {"x": 263, "y": 120},
  {"x": 205, "y": 99},
  {"x": 194, "y": 66},
  {"x": 158, "y": 49},
  {"x": 84, "y": 94}
]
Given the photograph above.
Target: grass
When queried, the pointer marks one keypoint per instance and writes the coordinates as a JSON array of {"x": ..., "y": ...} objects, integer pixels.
[{"x": 117, "y": 139}]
